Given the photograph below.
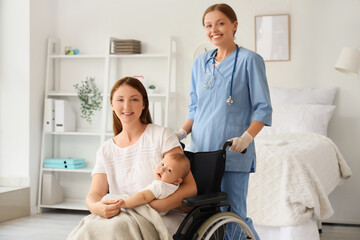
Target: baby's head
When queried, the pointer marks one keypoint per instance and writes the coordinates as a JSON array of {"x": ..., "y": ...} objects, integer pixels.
[{"x": 173, "y": 168}]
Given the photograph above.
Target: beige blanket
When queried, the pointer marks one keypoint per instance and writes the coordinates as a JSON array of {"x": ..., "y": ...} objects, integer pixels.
[{"x": 141, "y": 222}]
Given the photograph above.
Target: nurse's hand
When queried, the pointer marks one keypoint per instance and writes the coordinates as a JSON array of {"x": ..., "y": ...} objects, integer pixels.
[
  {"x": 181, "y": 134},
  {"x": 239, "y": 144}
]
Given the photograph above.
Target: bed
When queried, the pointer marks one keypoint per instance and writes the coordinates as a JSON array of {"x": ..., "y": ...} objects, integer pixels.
[{"x": 298, "y": 166}]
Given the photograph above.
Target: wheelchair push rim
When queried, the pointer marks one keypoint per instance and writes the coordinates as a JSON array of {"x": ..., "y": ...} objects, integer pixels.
[{"x": 208, "y": 229}]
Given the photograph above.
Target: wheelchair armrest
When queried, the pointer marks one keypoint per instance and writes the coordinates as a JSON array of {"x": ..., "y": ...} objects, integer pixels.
[{"x": 209, "y": 198}]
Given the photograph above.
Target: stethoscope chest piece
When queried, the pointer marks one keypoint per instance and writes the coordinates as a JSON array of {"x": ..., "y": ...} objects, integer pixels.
[{"x": 230, "y": 101}]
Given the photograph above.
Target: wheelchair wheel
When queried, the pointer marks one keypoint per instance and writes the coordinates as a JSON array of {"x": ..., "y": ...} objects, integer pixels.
[{"x": 214, "y": 228}]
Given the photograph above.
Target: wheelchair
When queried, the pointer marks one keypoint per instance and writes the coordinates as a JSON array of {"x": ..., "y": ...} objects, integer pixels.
[{"x": 206, "y": 220}]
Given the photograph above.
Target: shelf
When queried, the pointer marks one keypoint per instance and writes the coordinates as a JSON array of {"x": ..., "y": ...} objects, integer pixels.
[
  {"x": 158, "y": 95},
  {"x": 80, "y": 133},
  {"x": 72, "y": 204},
  {"x": 86, "y": 139},
  {"x": 61, "y": 94},
  {"x": 84, "y": 56},
  {"x": 139, "y": 55},
  {"x": 80, "y": 170}
]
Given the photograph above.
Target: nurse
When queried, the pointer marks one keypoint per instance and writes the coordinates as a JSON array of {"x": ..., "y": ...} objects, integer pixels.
[{"x": 229, "y": 100}]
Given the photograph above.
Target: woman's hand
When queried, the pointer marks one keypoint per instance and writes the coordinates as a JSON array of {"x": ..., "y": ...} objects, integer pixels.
[
  {"x": 107, "y": 208},
  {"x": 99, "y": 188}
]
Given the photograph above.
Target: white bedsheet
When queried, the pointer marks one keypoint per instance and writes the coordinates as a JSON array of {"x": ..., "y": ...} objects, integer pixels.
[
  {"x": 304, "y": 231},
  {"x": 294, "y": 176}
]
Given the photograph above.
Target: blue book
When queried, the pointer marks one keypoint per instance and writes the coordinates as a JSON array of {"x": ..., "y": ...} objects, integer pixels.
[
  {"x": 64, "y": 161},
  {"x": 64, "y": 166}
]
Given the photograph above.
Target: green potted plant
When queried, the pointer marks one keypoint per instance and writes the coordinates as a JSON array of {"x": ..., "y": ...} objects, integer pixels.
[
  {"x": 90, "y": 98},
  {"x": 152, "y": 88}
]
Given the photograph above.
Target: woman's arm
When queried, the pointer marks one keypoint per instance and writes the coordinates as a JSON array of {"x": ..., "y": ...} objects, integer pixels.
[
  {"x": 239, "y": 144},
  {"x": 255, "y": 127},
  {"x": 186, "y": 189},
  {"x": 99, "y": 188},
  {"x": 188, "y": 125}
]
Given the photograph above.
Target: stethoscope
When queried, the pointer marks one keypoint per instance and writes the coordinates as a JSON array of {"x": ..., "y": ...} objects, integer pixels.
[{"x": 229, "y": 101}]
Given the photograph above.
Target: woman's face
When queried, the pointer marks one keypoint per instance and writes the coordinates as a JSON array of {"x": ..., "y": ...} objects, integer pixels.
[
  {"x": 128, "y": 104},
  {"x": 219, "y": 28}
]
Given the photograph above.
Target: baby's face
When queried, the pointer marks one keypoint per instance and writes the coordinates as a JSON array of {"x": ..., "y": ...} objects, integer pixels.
[{"x": 169, "y": 171}]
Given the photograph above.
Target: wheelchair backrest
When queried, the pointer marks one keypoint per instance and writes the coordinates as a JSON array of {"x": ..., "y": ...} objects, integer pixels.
[{"x": 208, "y": 170}]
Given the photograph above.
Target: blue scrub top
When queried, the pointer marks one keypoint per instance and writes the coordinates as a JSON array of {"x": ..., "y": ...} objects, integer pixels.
[{"x": 214, "y": 120}]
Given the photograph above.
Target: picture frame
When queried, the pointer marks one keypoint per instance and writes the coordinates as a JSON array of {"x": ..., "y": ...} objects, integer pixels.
[{"x": 272, "y": 37}]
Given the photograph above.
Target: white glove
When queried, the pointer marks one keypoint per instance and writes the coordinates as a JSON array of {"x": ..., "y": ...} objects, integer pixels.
[
  {"x": 181, "y": 134},
  {"x": 239, "y": 144}
]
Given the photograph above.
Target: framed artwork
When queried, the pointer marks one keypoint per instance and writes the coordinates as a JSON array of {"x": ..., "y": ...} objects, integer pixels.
[{"x": 272, "y": 37}]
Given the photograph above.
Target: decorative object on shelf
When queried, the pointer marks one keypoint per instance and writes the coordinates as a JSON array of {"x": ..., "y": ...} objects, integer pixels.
[
  {"x": 70, "y": 51},
  {"x": 151, "y": 88},
  {"x": 90, "y": 97},
  {"x": 52, "y": 192},
  {"x": 349, "y": 61},
  {"x": 124, "y": 46},
  {"x": 272, "y": 37}
]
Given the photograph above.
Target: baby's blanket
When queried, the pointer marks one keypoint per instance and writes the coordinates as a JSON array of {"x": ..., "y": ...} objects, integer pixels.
[
  {"x": 294, "y": 176},
  {"x": 141, "y": 222}
]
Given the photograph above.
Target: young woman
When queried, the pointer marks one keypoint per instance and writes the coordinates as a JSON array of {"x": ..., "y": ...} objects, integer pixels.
[
  {"x": 229, "y": 101},
  {"x": 125, "y": 163}
]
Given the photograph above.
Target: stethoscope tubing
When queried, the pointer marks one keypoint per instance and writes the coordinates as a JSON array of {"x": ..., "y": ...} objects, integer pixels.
[{"x": 229, "y": 100}]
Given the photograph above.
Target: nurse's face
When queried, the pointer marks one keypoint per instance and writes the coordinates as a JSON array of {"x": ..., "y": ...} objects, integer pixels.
[
  {"x": 127, "y": 103},
  {"x": 219, "y": 28}
]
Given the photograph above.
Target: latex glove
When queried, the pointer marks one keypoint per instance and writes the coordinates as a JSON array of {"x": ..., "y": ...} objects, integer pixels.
[
  {"x": 181, "y": 134},
  {"x": 239, "y": 144}
]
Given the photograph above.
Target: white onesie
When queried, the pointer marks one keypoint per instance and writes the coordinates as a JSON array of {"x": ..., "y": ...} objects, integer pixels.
[{"x": 161, "y": 189}]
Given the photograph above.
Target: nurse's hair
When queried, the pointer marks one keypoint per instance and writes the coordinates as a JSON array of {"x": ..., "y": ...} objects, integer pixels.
[
  {"x": 134, "y": 83},
  {"x": 224, "y": 8}
]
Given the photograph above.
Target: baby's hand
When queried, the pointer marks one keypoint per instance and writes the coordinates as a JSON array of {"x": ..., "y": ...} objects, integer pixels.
[{"x": 121, "y": 203}]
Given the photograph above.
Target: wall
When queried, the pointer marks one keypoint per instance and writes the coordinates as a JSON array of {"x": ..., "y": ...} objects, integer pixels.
[
  {"x": 42, "y": 25},
  {"x": 319, "y": 30},
  {"x": 14, "y": 91}
]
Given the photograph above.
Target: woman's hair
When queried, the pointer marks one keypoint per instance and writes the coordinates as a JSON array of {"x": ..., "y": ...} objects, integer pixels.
[
  {"x": 224, "y": 8},
  {"x": 135, "y": 83}
]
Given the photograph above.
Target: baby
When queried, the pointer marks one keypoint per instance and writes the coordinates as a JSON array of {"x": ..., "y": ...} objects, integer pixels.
[{"x": 168, "y": 175}]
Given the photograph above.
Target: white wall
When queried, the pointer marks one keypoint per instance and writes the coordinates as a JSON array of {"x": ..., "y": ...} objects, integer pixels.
[
  {"x": 42, "y": 25},
  {"x": 14, "y": 90},
  {"x": 319, "y": 30}
]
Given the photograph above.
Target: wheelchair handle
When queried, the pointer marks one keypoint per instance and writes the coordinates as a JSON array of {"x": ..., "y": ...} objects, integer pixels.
[{"x": 228, "y": 144}]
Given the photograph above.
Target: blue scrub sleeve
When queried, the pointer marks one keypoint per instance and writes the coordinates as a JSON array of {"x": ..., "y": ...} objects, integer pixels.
[
  {"x": 259, "y": 90},
  {"x": 193, "y": 95}
]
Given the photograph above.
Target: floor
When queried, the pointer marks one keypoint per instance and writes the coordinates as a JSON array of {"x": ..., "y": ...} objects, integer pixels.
[{"x": 56, "y": 225}]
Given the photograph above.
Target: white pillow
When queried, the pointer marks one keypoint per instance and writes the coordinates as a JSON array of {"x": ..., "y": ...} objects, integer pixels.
[
  {"x": 302, "y": 95},
  {"x": 293, "y": 118}
]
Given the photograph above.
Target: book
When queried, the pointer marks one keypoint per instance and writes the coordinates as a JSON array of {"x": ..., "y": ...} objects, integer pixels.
[
  {"x": 64, "y": 160},
  {"x": 64, "y": 116},
  {"x": 49, "y": 115},
  {"x": 124, "y": 46},
  {"x": 118, "y": 40},
  {"x": 64, "y": 166}
]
